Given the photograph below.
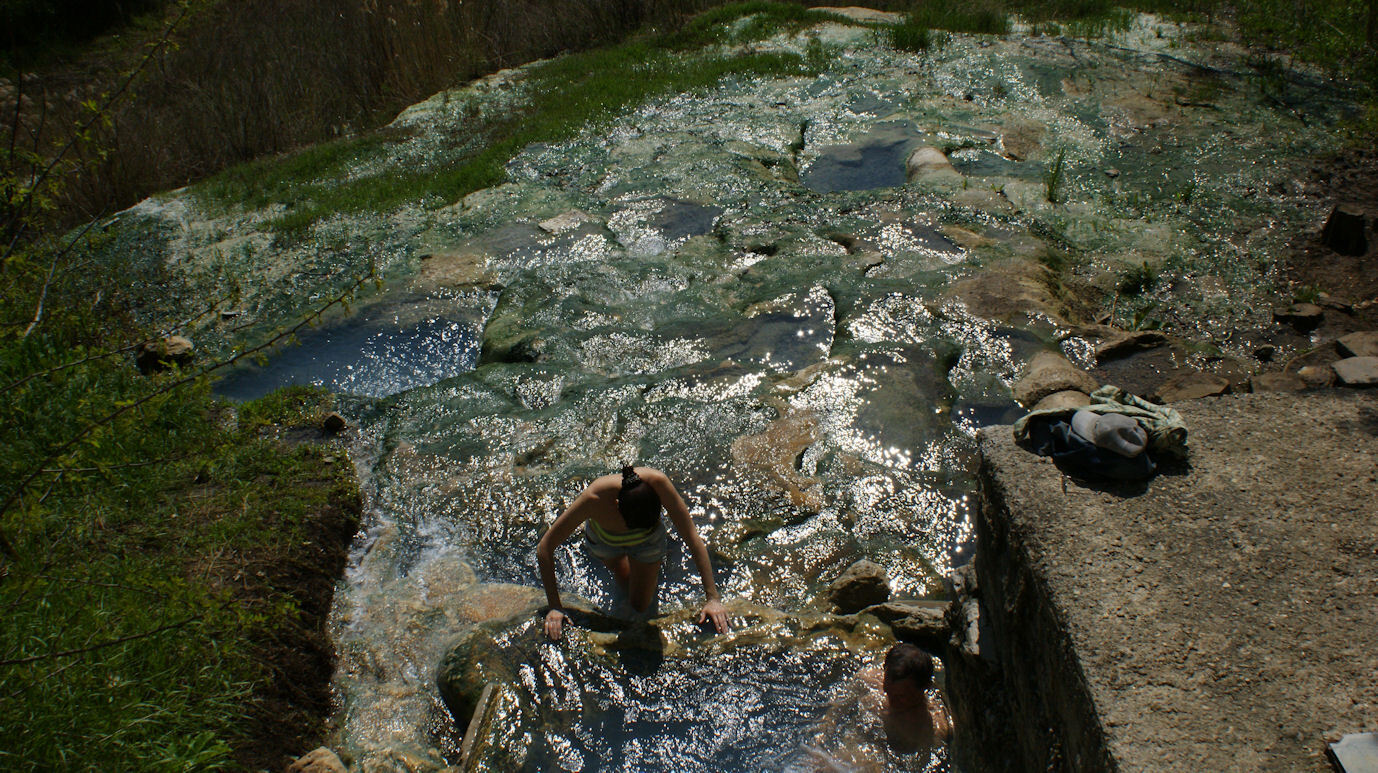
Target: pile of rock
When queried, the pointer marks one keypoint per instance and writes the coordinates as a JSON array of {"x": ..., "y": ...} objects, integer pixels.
[
  {"x": 1357, "y": 366},
  {"x": 1351, "y": 360},
  {"x": 1052, "y": 381},
  {"x": 864, "y": 589}
]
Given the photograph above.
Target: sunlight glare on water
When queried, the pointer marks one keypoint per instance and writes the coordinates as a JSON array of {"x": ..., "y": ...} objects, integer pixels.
[{"x": 740, "y": 288}]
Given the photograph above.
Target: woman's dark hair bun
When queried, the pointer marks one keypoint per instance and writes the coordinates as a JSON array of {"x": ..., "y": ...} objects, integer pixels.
[{"x": 638, "y": 503}]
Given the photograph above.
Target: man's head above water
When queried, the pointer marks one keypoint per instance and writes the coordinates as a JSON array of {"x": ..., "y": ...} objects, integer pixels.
[{"x": 908, "y": 672}]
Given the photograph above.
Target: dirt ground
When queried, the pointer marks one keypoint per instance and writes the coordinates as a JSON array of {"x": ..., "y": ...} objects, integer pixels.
[
  {"x": 1350, "y": 177},
  {"x": 287, "y": 713}
]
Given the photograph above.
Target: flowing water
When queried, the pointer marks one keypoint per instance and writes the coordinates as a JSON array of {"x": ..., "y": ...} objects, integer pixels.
[{"x": 740, "y": 287}]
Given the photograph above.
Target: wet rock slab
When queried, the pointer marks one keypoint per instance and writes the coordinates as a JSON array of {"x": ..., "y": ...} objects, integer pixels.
[{"x": 1218, "y": 618}]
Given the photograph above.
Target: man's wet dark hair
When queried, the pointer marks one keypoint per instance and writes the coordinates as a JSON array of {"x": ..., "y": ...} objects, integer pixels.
[
  {"x": 637, "y": 501},
  {"x": 905, "y": 661}
]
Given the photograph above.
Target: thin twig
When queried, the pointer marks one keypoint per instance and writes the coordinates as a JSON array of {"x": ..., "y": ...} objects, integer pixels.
[
  {"x": 37, "y": 179},
  {"x": 102, "y": 645},
  {"x": 178, "y": 457},
  {"x": 48, "y": 281},
  {"x": 51, "y": 487},
  {"x": 111, "y": 353},
  {"x": 49, "y": 675},
  {"x": 8, "y": 548},
  {"x": 101, "y": 584}
]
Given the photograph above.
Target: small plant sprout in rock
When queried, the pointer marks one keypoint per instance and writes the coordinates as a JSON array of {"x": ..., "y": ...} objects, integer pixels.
[
  {"x": 1055, "y": 178},
  {"x": 1137, "y": 280}
]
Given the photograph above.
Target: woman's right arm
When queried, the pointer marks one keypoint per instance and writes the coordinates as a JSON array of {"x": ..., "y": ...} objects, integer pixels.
[{"x": 559, "y": 531}]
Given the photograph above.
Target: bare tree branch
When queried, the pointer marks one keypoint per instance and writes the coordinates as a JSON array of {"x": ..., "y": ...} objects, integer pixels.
[
  {"x": 111, "y": 353},
  {"x": 18, "y": 209},
  {"x": 48, "y": 281},
  {"x": 8, "y": 548},
  {"x": 102, "y": 645}
]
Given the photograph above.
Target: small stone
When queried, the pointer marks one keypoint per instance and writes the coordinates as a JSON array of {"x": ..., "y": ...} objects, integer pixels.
[
  {"x": 1344, "y": 231},
  {"x": 1049, "y": 372},
  {"x": 1302, "y": 316},
  {"x": 929, "y": 163},
  {"x": 1129, "y": 343},
  {"x": 1357, "y": 371},
  {"x": 1331, "y": 302},
  {"x": 1276, "y": 382},
  {"x": 564, "y": 221},
  {"x": 1191, "y": 386},
  {"x": 1361, "y": 344},
  {"x": 1112, "y": 173},
  {"x": 1317, "y": 375},
  {"x": 321, "y": 760},
  {"x": 864, "y": 584},
  {"x": 1067, "y": 398},
  {"x": 162, "y": 354},
  {"x": 334, "y": 423}
]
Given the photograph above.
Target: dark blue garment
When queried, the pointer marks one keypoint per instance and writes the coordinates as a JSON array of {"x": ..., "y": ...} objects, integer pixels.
[{"x": 1078, "y": 456}]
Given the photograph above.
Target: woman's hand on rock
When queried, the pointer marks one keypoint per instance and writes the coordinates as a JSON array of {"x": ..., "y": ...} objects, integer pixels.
[
  {"x": 554, "y": 622},
  {"x": 715, "y": 611}
]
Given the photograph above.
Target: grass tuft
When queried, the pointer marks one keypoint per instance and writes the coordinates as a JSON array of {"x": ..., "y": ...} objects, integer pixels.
[
  {"x": 1055, "y": 179},
  {"x": 1137, "y": 280},
  {"x": 913, "y": 35},
  {"x": 984, "y": 17}
]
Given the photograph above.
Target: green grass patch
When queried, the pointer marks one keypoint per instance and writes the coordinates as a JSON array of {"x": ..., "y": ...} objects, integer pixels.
[
  {"x": 265, "y": 181},
  {"x": 144, "y": 581},
  {"x": 986, "y": 17},
  {"x": 563, "y": 96},
  {"x": 913, "y": 35},
  {"x": 743, "y": 23}
]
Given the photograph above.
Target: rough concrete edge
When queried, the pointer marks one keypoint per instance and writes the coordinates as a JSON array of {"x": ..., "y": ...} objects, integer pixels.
[{"x": 1028, "y": 693}]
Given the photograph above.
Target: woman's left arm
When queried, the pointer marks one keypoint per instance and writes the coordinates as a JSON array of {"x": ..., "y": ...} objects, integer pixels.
[{"x": 679, "y": 515}]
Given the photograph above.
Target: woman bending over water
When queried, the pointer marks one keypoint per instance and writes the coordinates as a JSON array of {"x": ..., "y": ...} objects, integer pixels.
[{"x": 623, "y": 529}]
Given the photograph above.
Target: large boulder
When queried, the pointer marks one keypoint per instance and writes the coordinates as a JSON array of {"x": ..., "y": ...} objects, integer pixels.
[
  {"x": 1277, "y": 382},
  {"x": 1317, "y": 375},
  {"x": 154, "y": 356},
  {"x": 1344, "y": 231},
  {"x": 1050, "y": 372},
  {"x": 862, "y": 585},
  {"x": 1302, "y": 316},
  {"x": 1067, "y": 398}
]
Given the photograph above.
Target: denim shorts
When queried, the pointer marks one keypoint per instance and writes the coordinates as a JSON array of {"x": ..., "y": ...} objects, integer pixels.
[{"x": 650, "y": 550}]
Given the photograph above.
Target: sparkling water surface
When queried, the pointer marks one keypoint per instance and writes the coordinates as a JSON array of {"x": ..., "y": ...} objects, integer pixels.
[{"x": 779, "y": 327}]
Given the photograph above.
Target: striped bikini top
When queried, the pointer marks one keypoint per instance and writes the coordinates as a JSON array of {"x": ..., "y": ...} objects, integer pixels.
[{"x": 629, "y": 537}]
